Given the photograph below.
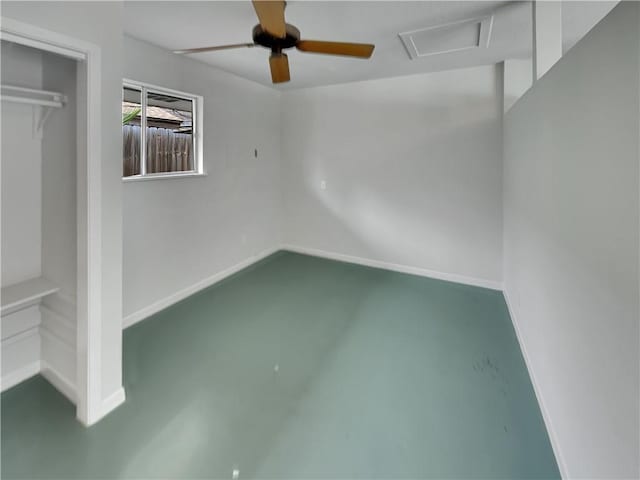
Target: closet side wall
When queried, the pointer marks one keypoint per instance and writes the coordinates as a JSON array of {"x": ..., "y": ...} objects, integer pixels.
[
  {"x": 21, "y": 170},
  {"x": 59, "y": 228},
  {"x": 21, "y": 213},
  {"x": 39, "y": 227}
]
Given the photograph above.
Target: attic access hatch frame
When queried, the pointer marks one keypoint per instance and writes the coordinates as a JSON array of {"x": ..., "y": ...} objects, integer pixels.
[{"x": 485, "y": 26}]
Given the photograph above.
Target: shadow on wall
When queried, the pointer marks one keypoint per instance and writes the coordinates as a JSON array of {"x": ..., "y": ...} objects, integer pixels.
[{"x": 414, "y": 188}]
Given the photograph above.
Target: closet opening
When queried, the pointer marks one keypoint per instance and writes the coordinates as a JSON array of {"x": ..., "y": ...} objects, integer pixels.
[
  {"x": 39, "y": 225},
  {"x": 50, "y": 215}
]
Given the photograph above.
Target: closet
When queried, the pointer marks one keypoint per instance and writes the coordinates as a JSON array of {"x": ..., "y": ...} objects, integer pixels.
[{"x": 39, "y": 210}]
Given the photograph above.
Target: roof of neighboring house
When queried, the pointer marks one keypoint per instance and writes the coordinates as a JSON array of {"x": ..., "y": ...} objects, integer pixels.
[{"x": 159, "y": 113}]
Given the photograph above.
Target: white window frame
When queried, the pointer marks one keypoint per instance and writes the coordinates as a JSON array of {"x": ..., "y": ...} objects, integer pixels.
[{"x": 197, "y": 122}]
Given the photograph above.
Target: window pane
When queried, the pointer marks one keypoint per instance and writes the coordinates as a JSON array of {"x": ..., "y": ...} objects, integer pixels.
[
  {"x": 169, "y": 133},
  {"x": 131, "y": 145}
]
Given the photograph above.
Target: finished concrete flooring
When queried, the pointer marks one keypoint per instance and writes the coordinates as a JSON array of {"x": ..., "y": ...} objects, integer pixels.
[{"x": 300, "y": 367}]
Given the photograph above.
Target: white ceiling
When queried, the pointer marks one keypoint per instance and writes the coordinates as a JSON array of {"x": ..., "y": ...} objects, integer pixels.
[{"x": 181, "y": 24}]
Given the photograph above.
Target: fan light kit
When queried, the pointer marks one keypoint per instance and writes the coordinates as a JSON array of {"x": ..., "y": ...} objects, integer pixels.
[{"x": 275, "y": 34}]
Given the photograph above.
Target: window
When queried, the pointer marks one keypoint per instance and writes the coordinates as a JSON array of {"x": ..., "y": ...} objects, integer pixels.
[{"x": 160, "y": 132}]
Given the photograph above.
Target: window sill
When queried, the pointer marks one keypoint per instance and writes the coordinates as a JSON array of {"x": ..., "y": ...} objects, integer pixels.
[{"x": 161, "y": 176}]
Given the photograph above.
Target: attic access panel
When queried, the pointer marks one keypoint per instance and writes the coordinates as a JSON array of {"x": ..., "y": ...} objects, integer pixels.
[{"x": 452, "y": 37}]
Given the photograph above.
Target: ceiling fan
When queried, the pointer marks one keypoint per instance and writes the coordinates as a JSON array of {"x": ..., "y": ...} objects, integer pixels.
[{"x": 275, "y": 34}]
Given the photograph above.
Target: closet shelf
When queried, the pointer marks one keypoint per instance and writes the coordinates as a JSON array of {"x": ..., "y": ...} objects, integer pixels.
[
  {"x": 32, "y": 96},
  {"x": 23, "y": 294}
]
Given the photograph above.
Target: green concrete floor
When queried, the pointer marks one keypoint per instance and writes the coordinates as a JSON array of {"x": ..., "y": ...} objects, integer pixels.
[{"x": 300, "y": 367}]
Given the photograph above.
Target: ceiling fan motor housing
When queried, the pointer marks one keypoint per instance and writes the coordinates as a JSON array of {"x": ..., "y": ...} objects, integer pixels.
[{"x": 275, "y": 44}]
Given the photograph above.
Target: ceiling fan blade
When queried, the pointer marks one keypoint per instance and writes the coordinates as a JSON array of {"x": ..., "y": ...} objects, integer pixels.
[
  {"x": 361, "y": 50},
  {"x": 213, "y": 49},
  {"x": 271, "y": 16},
  {"x": 279, "y": 68}
]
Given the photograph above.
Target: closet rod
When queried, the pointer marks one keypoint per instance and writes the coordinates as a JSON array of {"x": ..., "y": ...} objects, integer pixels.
[
  {"x": 33, "y": 96},
  {"x": 32, "y": 101}
]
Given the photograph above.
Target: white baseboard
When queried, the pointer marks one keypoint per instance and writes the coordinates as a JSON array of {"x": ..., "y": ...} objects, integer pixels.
[
  {"x": 113, "y": 401},
  {"x": 553, "y": 437},
  {"x": 20, "y": 375},
  {"x": 163, "y": 303},
  {"x": 422, "y": 272},
  {"x": 59, "y": 381},
  {"x": 108, "y": 404}
]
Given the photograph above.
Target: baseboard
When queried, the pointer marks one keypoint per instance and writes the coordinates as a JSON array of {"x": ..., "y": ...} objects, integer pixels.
[
  {"x": 161, "y": 304},
  {"x": 59, "y": 381},
  {"x": 422, "y": 272},
  {"x": 107, "y": 405},
  {"x": 555, "y": 444},
  {"x": 20, "y": 375},
  {"x": 113, "y": 401}
]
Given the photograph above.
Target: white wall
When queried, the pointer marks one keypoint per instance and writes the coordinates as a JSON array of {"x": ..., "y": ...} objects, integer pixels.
[
  {"x": 518, "y": 78},
  {"x": 99, "y": 23},
  {"x": 571, "y": 246},
  {"x": 59, "y": 228},
  {"x": 21, "y": 170},
  {"x": 21, "y": 213},
  {"x": 412, "y": 167},
  {"x": 180, "y": 232}
]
